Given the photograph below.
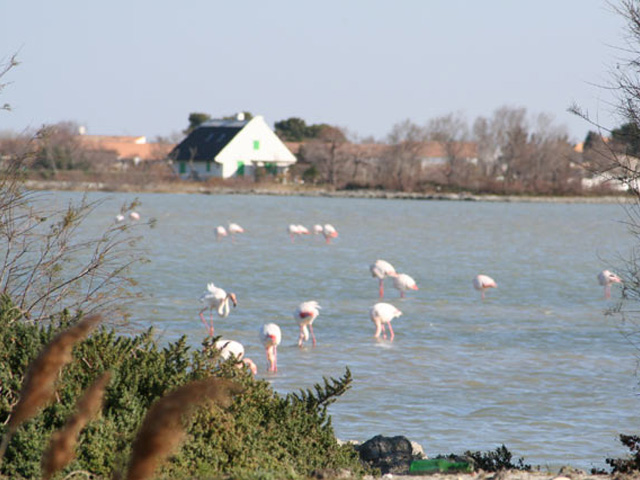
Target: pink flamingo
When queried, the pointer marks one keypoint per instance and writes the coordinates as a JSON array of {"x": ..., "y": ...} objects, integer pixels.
[
  {"x": 482, "y": 282},
  {"x": 381, "y": 314},
  {"x": 270, "y": 336},
  {"x": 404, "y": 282},
  {"x": 317, "y": 229},
  {"x": 221, "y": 232},
  {"x": 329, "y": 232},
  {"x": 216, "y": 298},
  {"x": 234, "y": 229},
  {"x": 305, "y": 314},
  {"x": 606, "y": 278},
  {"x": 297, "y": 230},
  {"x": 134, "y": 216},
  {"x": 231, "y": 348},
  {"x": 381, "y": 269}
]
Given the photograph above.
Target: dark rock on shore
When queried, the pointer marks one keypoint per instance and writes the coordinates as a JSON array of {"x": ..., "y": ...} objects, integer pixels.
[{"x": 389, "y": 454}]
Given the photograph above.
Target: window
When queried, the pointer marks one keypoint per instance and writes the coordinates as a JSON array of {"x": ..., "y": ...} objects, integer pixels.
[
  {"x": 183, "y": 167},
  {"x": 208, "y": 165},
  {"x": 256, "y": 144}
]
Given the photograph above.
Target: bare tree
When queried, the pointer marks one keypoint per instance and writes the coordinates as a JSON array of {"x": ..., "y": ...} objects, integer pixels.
[
  {"x": 452, "y": 134},
  {"x": 46, "y": 263},
  {"x": 402, "y": 166},
  {"x": 329, "y": 153}
]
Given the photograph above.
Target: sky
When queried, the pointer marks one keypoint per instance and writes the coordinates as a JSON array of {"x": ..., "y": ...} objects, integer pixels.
[{"x": 140, "y": 67}]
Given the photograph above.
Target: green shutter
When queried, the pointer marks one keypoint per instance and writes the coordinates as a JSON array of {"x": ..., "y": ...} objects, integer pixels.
[
  {"x": 182, "y": 167},
  {"x": 240, "y": 170},
  {"x": 208, "y": 165},
  {"x": 256, "y": 144}
]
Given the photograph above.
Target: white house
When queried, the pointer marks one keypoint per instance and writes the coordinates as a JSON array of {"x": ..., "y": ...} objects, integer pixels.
[{"x": 231, "y": 148}]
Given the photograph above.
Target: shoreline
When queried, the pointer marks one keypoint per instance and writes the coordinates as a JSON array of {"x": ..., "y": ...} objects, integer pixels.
[{"x": 294, "y": 190}]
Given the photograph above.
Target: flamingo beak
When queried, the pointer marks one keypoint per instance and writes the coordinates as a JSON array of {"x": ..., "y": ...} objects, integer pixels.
[{"x": 233, "y": 299}]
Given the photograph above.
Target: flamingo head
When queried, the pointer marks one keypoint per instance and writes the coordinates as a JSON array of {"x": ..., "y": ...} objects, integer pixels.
[
  {"x": 250, "y": 364},
  {"x": 234, "y": 300}
]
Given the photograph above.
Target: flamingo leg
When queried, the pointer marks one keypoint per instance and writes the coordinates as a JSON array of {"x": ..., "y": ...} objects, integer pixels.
[
  {"x": 401, "y": 293},
  {"x": 482, "y": 295},
  {"x": 384, "y": 331},
  {"x": 206, "y": 324},
  {"x": 313, "y": 337},
  {"x": 607, "y": 291},
  {"x": 301, "y": 336},
  {"x": 381, "y": 289},
  {"x": 275, "y": 358},
  {"x": 391, "y": 333}
]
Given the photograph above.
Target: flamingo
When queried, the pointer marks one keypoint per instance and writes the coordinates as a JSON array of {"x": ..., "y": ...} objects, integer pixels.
[
  {"x": 134, "y": 216},
  {"x": 270, "y": 336},
  {"x": 381, "y": 269},
  {"x": 305, "y": 314},
  {"x": 231, "y": 348},
  {"x": 482, "y": 282},
  {"x": 606, "y": 278},
  {"x": 297, "y": 230},
  {"x": 235, "y": 228},
  {"x": 293, "y": 231},
  {"x": 221, "y": 232},
  {"x": 219, "y": 299},
  {"x": 329, "y": 232},
  {"x": 404, "y": 282},
  {"x": 119, "y": 218},
  {"x": 317, "y": 229},
  {"x": 381, "y": 314}
]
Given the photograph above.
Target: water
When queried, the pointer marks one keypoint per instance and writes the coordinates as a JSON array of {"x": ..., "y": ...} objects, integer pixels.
[{"x": 537, "y": 366}]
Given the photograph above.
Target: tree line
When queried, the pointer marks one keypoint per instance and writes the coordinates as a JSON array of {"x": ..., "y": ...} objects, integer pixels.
[{"x": 509, "y": 152}]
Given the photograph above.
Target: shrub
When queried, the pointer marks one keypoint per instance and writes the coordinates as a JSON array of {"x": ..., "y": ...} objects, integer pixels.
[
  {"x": 262, "y": 434},
  {"x": 492, "y": 461},
  {"x": 630, "y": 464}
]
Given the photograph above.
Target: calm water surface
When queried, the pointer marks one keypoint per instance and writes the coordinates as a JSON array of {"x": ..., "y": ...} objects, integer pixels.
[{"x": 537, "y": 366}]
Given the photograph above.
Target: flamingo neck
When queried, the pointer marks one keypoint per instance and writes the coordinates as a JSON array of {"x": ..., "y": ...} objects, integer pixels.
[{"x": 223, "y": 309}]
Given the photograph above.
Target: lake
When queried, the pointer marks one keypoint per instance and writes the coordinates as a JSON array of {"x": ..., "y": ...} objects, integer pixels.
[{"x": 536, "y": 366}]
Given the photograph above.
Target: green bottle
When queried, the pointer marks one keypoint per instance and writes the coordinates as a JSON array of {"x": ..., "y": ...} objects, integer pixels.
[{"x": 438, "y": 465}]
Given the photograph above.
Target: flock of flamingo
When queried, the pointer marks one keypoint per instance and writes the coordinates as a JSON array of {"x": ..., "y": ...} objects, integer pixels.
[{"x": 381, "y": 314}]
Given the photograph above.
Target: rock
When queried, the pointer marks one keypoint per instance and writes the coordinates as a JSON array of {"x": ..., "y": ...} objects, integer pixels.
[
  {"x": 417, "y": 451},
  {"x": 389, "y": 454}
]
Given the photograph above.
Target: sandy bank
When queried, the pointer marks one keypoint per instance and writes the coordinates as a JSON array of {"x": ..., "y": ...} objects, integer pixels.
[{"x": 295, "y": 190}]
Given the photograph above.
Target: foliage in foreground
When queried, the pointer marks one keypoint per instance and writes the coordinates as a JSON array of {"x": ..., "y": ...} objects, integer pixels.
[
  {"x": 496, "y": 460},
  {"x": 261, "y": 435},
  {"x": 492, "y": 460},
  {"x": 630, "y": 464}
]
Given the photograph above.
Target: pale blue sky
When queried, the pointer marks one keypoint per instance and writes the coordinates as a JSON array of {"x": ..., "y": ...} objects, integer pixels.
[{"x": 129, "y": 67}]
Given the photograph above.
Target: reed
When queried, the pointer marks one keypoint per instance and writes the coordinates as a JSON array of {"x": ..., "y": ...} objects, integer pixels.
[
  {"x": 162, "y": 428},
  {"x": 38, "y": 387},
  {"x": 63, "y": 442}
]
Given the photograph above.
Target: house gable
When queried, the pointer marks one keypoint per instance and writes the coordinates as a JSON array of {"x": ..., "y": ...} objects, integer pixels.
[
  {"x": 226, "y": 148},
  {"x": 256, "y": 144}
]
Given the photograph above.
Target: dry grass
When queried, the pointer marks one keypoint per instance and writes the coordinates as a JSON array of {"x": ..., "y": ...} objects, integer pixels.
[
  {"x": 38, "y": 387},
  {"x": 162, "y": 428},
  {"x": 63, "y": 442}
]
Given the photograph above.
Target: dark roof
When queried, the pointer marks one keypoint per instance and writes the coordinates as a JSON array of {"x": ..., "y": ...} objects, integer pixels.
[{"x": 206, "y": 141}]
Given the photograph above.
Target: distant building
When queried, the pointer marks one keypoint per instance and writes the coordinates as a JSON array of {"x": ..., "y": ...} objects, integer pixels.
[
  {"x": 231, "y": 148},
  {"x": 126, "y": 149}
]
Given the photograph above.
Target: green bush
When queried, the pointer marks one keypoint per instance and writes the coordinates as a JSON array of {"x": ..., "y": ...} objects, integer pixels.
[
  {"x": 262, "y": 435},
  {"x": 490, "y": 461}
]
